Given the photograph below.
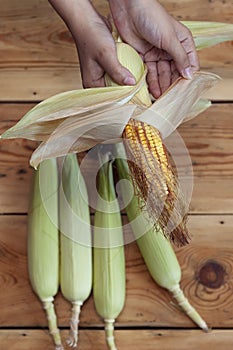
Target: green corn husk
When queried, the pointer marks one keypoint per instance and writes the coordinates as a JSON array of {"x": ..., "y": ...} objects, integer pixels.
[
  {"x": 208, "y": 34},
  {"x": 156, "y": 250},
  {"x": 75, "y": 242},
  {"x": 43, "y": 241},
  {"x": 109, "y": 260}
]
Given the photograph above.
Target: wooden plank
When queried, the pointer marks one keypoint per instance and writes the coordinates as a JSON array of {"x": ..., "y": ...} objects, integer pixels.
[
  {"x": 13, "y": 112},
  {"x": 208, "y": 139},
  {"x": 207, "y": 264},
  {"x": 199, "y": 10},
  {"x": 38, "y": 50},
  {"x": 218, "y": 60},
  {"x": 32, "y": 84},
  {"x": 125, "y": 339},
  {"x": 185, "y": 9}
]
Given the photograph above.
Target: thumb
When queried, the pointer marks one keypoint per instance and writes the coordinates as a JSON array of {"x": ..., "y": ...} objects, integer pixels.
[
  {"x": 180, "y": 57},
  {"x": 115, "y": 70}
]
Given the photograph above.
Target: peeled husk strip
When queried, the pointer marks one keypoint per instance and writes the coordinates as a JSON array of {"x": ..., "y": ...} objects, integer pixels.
[
  {"x": 178, "y": 103},
  {"x": 74, "y": 135},
  {"x": 81, "y": 103}
]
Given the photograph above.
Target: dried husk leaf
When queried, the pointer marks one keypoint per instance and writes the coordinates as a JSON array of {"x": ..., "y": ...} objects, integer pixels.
[
  {"x": 45, "y": 117},
  {"x": 81, "y": 134},
  {"x": 207, "y": 34},
  {"x": 199, "y": 107},
  {"x": 176, "y": 104}
]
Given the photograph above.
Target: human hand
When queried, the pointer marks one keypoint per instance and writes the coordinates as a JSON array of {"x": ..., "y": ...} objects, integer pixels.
[
  {"x": 166, "y": 46},
  {"x": 95, "y": 44}
]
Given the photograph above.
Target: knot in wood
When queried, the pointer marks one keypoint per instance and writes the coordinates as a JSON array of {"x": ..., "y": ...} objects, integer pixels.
[{"x": 212, "y": 274}]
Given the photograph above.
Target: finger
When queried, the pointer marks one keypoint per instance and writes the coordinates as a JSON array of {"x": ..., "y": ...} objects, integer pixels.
[
  {"x": 174, "y": 72},
  {"x": 189, "y": 46},
  {"x": 180, "y": 57},
  {"x": 164, "y": 74},
  {"x": 152, "y": 79},
  {"x": 186, "y": 38},
  {"x": 92, "y": 74},
  {"x": 155, "y": 55}
]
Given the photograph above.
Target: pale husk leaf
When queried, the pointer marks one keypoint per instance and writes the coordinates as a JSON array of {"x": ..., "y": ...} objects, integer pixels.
[
  {"x": 81, "y": 134},
  {"x": 45, "y": 117},
  {"x": 207, "y": 34},
  {"x": 169, "y": 111},
  {"x": 199, "y": 107}
]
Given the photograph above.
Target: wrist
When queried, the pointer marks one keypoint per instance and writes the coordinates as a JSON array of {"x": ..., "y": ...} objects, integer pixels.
[{"x": 77, "y": 14}]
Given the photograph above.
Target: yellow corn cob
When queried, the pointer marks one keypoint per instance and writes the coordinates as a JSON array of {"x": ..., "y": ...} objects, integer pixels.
[
  {"x": 149, "y": 162},
  {"x": 156, "y": 250},
  {"x": 75, "y": 243},
  {"x": 43, "y": 241},
  {"x": 109, "y": 261},
  {"x": 152, "y": 172}
]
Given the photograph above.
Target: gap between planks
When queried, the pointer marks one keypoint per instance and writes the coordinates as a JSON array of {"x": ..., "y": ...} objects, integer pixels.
[{"x": 125, "y": 339}]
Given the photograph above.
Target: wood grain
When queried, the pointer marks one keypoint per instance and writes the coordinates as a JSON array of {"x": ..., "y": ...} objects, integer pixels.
[
  {"x": 125, "y": 339},
  {"x": 39, "y": 59},
  {"x": 209, "y": 141},
  {"x": 207, "y": 265}
]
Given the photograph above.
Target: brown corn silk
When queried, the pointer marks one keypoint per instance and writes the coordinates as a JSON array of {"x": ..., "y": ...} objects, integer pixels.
[{"x": 154, "y": 176}]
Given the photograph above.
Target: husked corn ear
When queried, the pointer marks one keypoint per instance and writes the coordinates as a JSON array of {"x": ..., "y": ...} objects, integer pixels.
[
  {"x": 109, "y": 260},
  {"x": 152, "y": 172},
  {"x": 75, "y": 243},
  {"x": 149, "y": 162},
  {"x": 156, "y": 250},
  {"x": 43, "y": 241}
]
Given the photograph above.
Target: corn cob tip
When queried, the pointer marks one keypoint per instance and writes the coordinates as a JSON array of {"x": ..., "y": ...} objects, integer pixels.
[
  {"x": 72, "y": 341},
  {"x": 204, "y": 327},
  {"x": 109, "y": 329}
]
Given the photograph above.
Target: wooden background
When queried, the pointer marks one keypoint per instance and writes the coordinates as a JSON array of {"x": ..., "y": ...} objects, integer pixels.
[{"x": 37, "y": 60}]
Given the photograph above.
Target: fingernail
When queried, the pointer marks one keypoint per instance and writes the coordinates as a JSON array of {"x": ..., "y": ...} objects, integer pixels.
[
  {"x": 187, "y": 73},
  {"x": 129, "y": 81}
]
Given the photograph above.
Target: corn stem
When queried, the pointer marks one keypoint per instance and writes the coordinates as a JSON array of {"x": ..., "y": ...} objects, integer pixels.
[
  {"x": 109, "y": 334},
  {"x": 52, "y": 323},
  {"x": 183, "y": 302},
  {"x": 74, "y": 321}
]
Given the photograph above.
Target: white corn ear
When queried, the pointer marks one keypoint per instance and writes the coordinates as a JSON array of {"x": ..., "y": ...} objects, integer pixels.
[
  {"x": 43, "y": 241},
  {"x": 109, "y": 259},
  {"x": 75, "y": 244}
]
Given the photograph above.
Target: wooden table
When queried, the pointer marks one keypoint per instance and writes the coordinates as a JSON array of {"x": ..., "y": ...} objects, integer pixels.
[{"x": 38, "y": 59}]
